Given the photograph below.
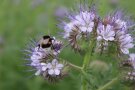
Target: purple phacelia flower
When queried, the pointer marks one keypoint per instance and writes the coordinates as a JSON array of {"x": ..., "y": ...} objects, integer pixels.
[
  {"x": 106, "y": 33},
  {"x": 45, "y": 61},
  {"x": 84, "y": 21}
]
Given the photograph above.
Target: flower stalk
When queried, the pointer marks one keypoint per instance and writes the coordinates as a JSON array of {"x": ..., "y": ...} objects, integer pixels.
[
  {"x": 109, "y": 84},
  {"x": 75, "y": 66},
  {"x": 86, "y": 63}
]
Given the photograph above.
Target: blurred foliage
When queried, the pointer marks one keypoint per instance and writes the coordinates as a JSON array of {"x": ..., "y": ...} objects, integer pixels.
[{"x": 21, "y": 20}]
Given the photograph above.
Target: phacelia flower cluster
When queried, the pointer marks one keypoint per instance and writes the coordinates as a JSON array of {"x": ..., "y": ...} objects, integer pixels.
[
  {"x": 38, "y": 62},
  {"x": 111, "y": 32},
  {"x": 44, "y": 59},
  {"x": 84, "y": 21},
  {"x": 79, "y": 26},
  {"x": 130, "y": 63},
  {"x": 87, "y": 25}
]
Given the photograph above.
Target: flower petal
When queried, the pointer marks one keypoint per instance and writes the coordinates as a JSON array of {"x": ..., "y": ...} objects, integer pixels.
[
  {"x": 51, "y": 72},
  {"x": 38, "y": 73},
  {"x": 59, "y": 66},
  {"x": 49, "y": 65},
  {"x": 57, "y": 72},
  {"x": 44, "y": 68},
  {"x": 132, "y": 57},
  {"x": 54, "y": 62},
  {"x": 125, "y": 50}
]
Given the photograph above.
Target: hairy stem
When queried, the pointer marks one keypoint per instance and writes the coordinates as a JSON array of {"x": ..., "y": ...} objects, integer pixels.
[
  {"x": 88, "y": 57},
  {"x": 84, "y": 84},
  {"x": 86, "y": 63},
  {"x": 75, "y": 66},
  {"x": 109, "y": 84}
]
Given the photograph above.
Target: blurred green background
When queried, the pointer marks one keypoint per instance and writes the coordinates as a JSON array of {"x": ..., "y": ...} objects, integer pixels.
[{"x": 21, "y": 20}]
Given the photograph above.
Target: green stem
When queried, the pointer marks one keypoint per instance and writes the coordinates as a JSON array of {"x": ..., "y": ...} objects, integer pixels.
[
  {"x": 72, "y": 65},
  {"x": 88, "y": 58},
  {"x": 84, "y": 75},
  {"x": 86, "y": 63},
  {"x": 109, "y": 84},
  {"x": 84, "y": 84},
  {"x": 88, "y": 55},
  {"x": 75, "y": 66}
]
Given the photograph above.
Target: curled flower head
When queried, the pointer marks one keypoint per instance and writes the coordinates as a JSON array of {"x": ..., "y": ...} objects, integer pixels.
[
  {"x": 84, "y": 20},
  {"x": 123, "y": 36},
  {"x": 129, "y": 76},
  {"x": 125, "y": 41},
  {"x": 119, "y": 24},
  {"x": 43, "y": 59},
  {"x": 130, "y": 62},
  {"x": 115, "y": 28},
  {"x": 105, "y": 32},
  {"x": 78, "y": 26},
  {"x": 132, "y": 59},
  {"x": 121, "y": 21}
]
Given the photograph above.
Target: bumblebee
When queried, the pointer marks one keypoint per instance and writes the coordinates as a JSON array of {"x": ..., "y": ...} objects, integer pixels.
[{"x": 46, "y": 42}]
